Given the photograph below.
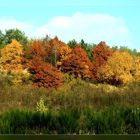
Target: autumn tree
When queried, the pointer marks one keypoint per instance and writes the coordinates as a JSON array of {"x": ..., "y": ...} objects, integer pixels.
[
  {"x": 56, "y": 50},
  {"x": 37, "y": 50},
  {"x": 117, "y": 70},
  {"x": 100, "y": 55},
  {"x": 44, "y": 74},
  {"x": 11, "y": 62},
  {"x": 11, "y": 57},
  {"x": 136, "y": 69},
  {"x": 77, "y": 64}
]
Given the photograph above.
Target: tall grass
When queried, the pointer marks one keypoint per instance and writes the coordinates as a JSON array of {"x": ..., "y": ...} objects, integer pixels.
[
  {"x": 75, "y": 93},
  {"x": 112, "y": 120}
]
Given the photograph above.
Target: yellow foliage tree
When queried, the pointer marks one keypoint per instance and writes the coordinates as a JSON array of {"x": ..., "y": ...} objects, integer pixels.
[
  {"x": 11, "y": 57},
  {"x": 136, "y": 69},
  {"x": 11, "y": 62},
  {"x": 117, "y": 69}
]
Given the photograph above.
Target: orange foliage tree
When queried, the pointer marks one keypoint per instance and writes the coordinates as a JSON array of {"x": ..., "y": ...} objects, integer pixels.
[
  {"x": 118, "y": 69},
  {"x": 44, "y": 74},
  {"x": 100, "y": 55},
  {"x": 77, "y": 64},
  {"x": 37, "y": 49},
  {"x": 56, "y": 50}
]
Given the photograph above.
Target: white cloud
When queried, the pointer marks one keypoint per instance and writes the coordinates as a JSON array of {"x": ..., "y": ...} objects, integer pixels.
[
  {"x": 91, "y": 27},
  {"x": 6, "y": 24}
]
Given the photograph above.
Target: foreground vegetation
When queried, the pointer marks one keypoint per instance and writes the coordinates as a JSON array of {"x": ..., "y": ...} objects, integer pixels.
[
  {"x": 78, "y": 107},
  {"x": 113, "y": 120},
  {"x": 75, "y": 93}
]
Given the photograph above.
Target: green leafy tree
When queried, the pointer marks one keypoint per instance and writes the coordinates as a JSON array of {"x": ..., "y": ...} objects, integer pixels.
[
  {"x": 1, "y": 39},
  {"x": 13, "y": 34},
  {"x": 72, "y": 43},
  {"x": 133, "y": 52},
  {"x": 83, "y": 44},
  {"x": 87, "y": 47}
]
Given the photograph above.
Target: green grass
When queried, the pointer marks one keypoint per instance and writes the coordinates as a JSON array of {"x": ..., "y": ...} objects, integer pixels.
[{"x": 112, "y": 120}]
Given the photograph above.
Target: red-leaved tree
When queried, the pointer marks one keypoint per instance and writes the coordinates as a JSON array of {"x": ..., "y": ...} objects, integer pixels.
[
  {"x": 77, "y": 64},
  {"x": 100, "y": 55},
  {"x": 44, "y": 74}
]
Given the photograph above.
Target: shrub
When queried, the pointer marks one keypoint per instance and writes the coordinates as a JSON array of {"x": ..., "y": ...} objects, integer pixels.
[{"x": 41, "y": 106}]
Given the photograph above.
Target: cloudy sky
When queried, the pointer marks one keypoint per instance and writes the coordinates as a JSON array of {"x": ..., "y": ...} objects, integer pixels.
[{"x": 115, "y": 21}]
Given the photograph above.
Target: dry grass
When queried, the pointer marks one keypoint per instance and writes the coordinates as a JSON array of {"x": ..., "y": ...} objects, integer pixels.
[{"x": 75, "y": 93}]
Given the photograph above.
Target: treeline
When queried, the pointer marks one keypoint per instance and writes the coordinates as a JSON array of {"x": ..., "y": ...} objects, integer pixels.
[{"x": 43, "y": 62}]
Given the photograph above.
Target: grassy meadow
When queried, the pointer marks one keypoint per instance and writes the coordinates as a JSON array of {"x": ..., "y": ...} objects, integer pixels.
[{"x": 77, "y": 107}]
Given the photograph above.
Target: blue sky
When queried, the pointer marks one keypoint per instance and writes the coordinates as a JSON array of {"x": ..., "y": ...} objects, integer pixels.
[{"x": 114, "y": 21}]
